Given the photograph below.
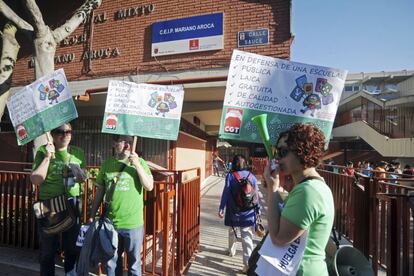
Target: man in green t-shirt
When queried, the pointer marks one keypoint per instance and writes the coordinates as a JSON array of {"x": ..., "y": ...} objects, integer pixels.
[
  {"x": 131, "y": 175},
  {"x": 50, "y": 177}
]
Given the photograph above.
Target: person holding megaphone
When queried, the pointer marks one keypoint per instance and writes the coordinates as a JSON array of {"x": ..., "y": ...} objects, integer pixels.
[{"x": 308, "y": 211}]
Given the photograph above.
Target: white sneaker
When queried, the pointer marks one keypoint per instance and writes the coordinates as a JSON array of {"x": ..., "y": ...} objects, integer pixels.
[{"x": 231, "y": 253}]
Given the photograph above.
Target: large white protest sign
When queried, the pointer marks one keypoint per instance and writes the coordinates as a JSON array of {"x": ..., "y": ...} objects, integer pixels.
[
  {"x": 145, "y": 110},
  {"x": 41, "y": 106},
  {"x": 288, "y": 92}
]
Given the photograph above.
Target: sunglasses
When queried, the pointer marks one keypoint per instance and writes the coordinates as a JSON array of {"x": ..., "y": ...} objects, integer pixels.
[
  {"x": 62, "y": 132},
  {"x": 281, "y": 152}
]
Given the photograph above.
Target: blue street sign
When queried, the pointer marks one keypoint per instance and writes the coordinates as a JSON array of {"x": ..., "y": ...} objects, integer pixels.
[{"x": 253, "y": 38}]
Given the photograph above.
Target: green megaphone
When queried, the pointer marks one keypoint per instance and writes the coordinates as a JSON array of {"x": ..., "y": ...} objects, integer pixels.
[{"x": 261, "y": 122}]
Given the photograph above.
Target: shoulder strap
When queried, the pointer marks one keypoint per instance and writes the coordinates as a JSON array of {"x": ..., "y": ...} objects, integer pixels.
[
  {"x": 312, "y": 177},
  {"x": 236, "y": 175},
  {"x": 108, "y": 196},
  {"x": 248, "y": 177},
  {"x": 68, "y": 156}
]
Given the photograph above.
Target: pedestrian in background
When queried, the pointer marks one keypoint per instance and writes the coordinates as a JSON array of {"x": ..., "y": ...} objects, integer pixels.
[
  {"x": 235, "y": 216},
  {"x": 367, "y": 170},
  {"x": 381, "y": 169},
  {"x": 216, "y": 162},
  {"x": 349, "y": 169}
]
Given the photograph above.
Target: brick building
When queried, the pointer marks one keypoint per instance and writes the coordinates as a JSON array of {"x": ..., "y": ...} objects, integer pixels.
[{"x": 117, "y": 43}]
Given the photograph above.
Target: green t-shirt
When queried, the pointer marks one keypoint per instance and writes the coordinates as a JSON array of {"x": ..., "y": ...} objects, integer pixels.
[
  {"x": 126, "y": 210},
  {"x": 54, "y": 185},
  {"x": 310, "y": 206}
]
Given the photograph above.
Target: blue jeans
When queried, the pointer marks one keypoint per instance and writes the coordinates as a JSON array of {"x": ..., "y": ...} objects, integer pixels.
[
  {"x": 49, "y": 245},
  {"x": 130, "y": 240}
]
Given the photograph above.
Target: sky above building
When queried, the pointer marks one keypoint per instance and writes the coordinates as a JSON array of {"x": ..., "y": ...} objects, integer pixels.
[{"x": 356, "y": 35}]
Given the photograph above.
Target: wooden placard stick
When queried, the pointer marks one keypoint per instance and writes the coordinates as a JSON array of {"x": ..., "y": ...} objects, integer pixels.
[
  {"x": 49, "y": 138},
  {"x": 134, "y": 144}
]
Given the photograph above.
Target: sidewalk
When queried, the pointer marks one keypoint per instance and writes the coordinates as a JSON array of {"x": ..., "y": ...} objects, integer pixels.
[{"x": 212, "y": 258}]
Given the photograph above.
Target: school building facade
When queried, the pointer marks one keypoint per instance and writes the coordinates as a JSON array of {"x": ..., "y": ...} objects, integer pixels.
[
  {"x": 374, "y": 118},
  {"x": 125, "y": 40}
]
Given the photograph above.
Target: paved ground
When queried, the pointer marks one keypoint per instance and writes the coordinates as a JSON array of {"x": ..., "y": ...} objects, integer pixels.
[
  {"x": 21, "y": 262},
  {"x": 212, "y": 258},
  {"x": 9, "y": 270}
]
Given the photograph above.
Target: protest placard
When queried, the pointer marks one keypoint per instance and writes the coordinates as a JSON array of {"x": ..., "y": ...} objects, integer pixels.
[
  {"x": 288, "y": 92},
  {"x": 41, "y": 106},
  {"x": 145, "y": 110}
]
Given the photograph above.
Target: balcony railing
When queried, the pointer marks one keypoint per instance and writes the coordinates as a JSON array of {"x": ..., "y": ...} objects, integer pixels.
[{"x": 394, "y": 122}]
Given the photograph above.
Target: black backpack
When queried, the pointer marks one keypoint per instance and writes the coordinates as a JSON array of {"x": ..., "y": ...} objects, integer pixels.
[{"x": 246, "y": 196}]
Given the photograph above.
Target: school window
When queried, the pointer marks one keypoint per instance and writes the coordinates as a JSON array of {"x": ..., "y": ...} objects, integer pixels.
[{"x": 348, "y": 88}]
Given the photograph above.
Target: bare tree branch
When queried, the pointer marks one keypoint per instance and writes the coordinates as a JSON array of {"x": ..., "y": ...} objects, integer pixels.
[
  {"x": 80, "y": 15},
  {"x": 34, "y": 11},
  {"x": 13, "y": 17},
  {"x": 8, "y": 60}
]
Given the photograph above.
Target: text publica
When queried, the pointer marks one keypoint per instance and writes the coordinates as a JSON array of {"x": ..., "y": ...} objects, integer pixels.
[
  {"x": 283, "y": 66},
  {"x": 187, "y": 28}
]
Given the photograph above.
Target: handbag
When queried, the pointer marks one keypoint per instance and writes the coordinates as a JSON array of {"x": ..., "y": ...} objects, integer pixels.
[
  {"x": 260, "y": 230},
  {"x": 54, "y": 215},
  {"x": 84, "y": 228}
]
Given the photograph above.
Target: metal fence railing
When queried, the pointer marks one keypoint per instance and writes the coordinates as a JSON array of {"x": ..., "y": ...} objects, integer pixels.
[
  {"x": 171, "y": 215},
  {"x": 375, "y": 214}
]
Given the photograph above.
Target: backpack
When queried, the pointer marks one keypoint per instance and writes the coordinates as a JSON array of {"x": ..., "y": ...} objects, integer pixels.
[{"x": 246, "y": 196}]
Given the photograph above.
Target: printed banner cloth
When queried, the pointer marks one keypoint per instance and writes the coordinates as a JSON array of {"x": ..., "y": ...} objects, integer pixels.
[
  {"x": 41, "y": 106},
  {"x": 288, "y": 92},
  {"x": 275, "y": 260},
  {"x": 145, "y": 110}
]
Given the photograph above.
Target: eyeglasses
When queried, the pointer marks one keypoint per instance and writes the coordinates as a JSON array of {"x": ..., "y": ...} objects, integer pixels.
[
  {"x": 282, "y": 152},
  {"x": 62, "y": 132}
]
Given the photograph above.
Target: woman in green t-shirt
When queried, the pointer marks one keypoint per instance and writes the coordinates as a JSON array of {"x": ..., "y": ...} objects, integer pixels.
[
  {"x": 48, "y": 176},
  {"x": 309, "y": 207}
]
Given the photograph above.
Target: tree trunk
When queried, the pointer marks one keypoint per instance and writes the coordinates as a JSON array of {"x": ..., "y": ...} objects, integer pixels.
[
  {"x": 8, "y": 60},
  {"x": 45, "y": 41},
  {"x": 44, "y": 59},
  {"x": 44, "y": 54}
]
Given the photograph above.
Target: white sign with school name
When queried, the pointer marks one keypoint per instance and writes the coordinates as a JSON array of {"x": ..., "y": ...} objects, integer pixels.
[{"x": 289, "y": 92}]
